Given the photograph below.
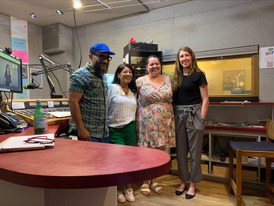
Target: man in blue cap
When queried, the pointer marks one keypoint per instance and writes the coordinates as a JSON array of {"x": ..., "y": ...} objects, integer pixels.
[{"x": 87, "y": 97}]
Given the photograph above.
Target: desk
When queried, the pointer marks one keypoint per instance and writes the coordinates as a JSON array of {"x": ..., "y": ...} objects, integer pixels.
[{"x": 74, "y": 172}]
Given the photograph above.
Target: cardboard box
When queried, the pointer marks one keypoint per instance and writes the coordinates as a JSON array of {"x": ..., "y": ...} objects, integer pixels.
[
  {"x": 204, "y": 168},
  {"x": 224, "y": 172},
  {"x": 220, "y": 171},
  {"x": 174, "y": 166}
]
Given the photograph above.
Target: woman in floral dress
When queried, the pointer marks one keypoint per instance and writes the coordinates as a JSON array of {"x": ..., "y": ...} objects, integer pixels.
[{"x": 156, "y": 127}]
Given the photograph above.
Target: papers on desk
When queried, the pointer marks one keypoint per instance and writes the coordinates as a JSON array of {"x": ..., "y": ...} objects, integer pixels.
[
  {"x": 60, "y": 114},
  {"x": 17, "y": 143}
]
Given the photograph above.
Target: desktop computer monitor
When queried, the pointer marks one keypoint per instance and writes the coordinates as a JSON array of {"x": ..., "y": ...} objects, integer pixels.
[{"x": 10, "y": 73}]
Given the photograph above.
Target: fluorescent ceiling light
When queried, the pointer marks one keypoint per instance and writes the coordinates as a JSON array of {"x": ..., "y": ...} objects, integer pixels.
[
  {"x": 77, "y": 4},
  {"x": 103, "y": 4}
]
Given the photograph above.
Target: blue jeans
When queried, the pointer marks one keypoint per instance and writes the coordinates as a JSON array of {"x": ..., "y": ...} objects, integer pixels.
[
  {"x": 92, "y": 139},
  {"x": 103, "y": 140}
]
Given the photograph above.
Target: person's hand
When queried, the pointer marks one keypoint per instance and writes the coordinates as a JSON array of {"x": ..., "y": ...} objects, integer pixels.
[{"x": 84, "y": 134}]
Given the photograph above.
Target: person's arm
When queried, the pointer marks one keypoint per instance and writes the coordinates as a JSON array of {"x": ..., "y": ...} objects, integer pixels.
[
  {"x": 205, "y": 100},
  {"x": 139, "y": 83},
  {"x": 168, "y": 80},
  {"x": 109, "y": 100},
  {"x": 74, "y": 98}
]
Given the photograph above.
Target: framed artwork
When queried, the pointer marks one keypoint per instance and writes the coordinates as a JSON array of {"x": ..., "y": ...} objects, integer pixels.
[
  {"x": 24, "y": 71},
  {"x": 36, "y": 76},
  {"x": 234, "y": 80}
]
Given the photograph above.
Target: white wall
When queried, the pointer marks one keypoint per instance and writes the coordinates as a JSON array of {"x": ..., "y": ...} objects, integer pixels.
[{"x": 202, "y": 25}]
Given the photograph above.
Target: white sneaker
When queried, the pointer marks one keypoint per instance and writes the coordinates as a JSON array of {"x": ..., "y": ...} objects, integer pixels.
[
  {"x": 129, "y": 195},
  {"x": 120, "y": 196}
]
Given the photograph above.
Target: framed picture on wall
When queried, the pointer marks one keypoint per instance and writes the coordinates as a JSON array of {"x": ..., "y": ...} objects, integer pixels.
[
  {"x": 36, "y": 76},
  {"x": 234, "y": 80},
  {"x": 24, "y": 71}
]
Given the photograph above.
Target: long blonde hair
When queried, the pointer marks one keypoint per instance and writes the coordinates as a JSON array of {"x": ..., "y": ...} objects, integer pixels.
[{"x": 178, "y": 74}]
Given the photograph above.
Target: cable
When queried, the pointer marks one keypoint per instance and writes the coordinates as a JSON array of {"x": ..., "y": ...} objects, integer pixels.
[
  {"x": 58, "y": 83},
  {"x": 75, "y": 26},
  {"x": 35, "y": 82},
  {"x": 11, "y": 101},
  {"x": 48, "y": 71}
]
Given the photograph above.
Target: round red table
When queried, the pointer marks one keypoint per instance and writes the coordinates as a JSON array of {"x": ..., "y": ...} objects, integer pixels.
[{"x": 75, "y": 172}]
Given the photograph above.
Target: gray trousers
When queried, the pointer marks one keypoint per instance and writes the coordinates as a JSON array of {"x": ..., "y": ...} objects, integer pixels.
[{"x": 189, "y": 127}]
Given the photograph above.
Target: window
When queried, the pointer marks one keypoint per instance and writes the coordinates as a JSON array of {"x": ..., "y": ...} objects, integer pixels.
[{"x": 232, "y": 78}]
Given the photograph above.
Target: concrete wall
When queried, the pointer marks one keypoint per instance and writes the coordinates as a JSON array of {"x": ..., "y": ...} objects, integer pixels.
[
  {"x": 202, "y": 25},
  {"x": 35, "y": 49},
  {"x": 5, "y": 32},
  {"x": 60, "y": 77}
]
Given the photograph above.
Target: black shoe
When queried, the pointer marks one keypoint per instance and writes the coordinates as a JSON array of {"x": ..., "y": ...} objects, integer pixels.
[
  {"x": 190, "y": 196},
  {"x": 178, "y": 193}
]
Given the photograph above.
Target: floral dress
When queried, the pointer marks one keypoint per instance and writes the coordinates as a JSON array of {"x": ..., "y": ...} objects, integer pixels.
[{"x": 155, "y": 116}]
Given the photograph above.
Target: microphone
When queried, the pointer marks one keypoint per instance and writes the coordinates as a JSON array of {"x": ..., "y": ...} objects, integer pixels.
[{"x": 30, "y": 86}]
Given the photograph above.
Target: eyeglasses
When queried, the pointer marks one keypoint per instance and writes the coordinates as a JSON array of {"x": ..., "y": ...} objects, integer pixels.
[
  {"x": 103, "y": 57},
  {"x": 39, "y": 139}
]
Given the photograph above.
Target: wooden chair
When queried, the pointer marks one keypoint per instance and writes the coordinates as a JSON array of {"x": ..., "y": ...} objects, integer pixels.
[{"x": 253, "y": 149}]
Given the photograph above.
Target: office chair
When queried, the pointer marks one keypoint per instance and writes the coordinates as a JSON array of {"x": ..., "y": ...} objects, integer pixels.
[{"x": 253, "y": 149}]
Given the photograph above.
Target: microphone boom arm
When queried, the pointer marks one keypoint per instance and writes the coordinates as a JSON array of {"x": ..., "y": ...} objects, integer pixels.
[{"x": 46, "y": 70}]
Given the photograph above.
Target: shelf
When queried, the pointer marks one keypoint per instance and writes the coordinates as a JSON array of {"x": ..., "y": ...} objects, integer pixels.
[
  {"x": 249, "y": 162},
  {"x": 240, "y": 129},
  {"x": 205, "y": 157},
  {"x": 243, "y": 121},
  {"x": 231, "y": 103}
]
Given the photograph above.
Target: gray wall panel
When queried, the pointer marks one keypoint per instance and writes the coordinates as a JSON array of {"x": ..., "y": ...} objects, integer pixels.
[
  {"x": 203, "y": 25},
  {"x": 5, "y": 40}
]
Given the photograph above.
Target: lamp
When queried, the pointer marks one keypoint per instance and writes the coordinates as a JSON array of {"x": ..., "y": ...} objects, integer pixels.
[{"x": 77, "y": 4}]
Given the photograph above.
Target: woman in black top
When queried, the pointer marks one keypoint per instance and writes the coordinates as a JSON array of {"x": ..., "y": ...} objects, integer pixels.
[
  {"x": 7, "y": 75},
  {"x": 191, "y": 105}
]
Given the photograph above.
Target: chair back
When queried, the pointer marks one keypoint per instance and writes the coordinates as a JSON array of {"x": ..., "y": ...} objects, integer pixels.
[{"x": 270, "y": 130}]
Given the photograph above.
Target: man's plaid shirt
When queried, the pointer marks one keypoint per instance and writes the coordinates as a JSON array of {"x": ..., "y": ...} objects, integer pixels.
[{"x": 93, "y": 103}]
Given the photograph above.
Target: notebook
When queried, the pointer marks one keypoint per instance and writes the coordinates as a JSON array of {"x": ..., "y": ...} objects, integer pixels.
[{"x": 17, "y": 143}]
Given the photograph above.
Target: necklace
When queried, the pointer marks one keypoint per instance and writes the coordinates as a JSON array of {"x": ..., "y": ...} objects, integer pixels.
[{"x": 125, "y": 89}]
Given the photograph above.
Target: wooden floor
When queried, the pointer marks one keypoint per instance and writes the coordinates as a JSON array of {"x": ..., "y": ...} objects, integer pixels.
[{"x": 208, "y": 194}]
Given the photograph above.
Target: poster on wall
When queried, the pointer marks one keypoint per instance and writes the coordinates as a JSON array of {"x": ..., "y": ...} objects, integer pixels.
[
  {"x": 267, "y": 57},
  {"x": 19, "y": 41}
]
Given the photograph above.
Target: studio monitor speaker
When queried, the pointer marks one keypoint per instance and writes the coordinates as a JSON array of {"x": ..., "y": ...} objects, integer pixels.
[{"x": 53, "y": 38}]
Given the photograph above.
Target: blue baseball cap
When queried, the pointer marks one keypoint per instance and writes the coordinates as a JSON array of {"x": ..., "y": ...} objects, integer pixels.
[{"x": 100, "y": 47}]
